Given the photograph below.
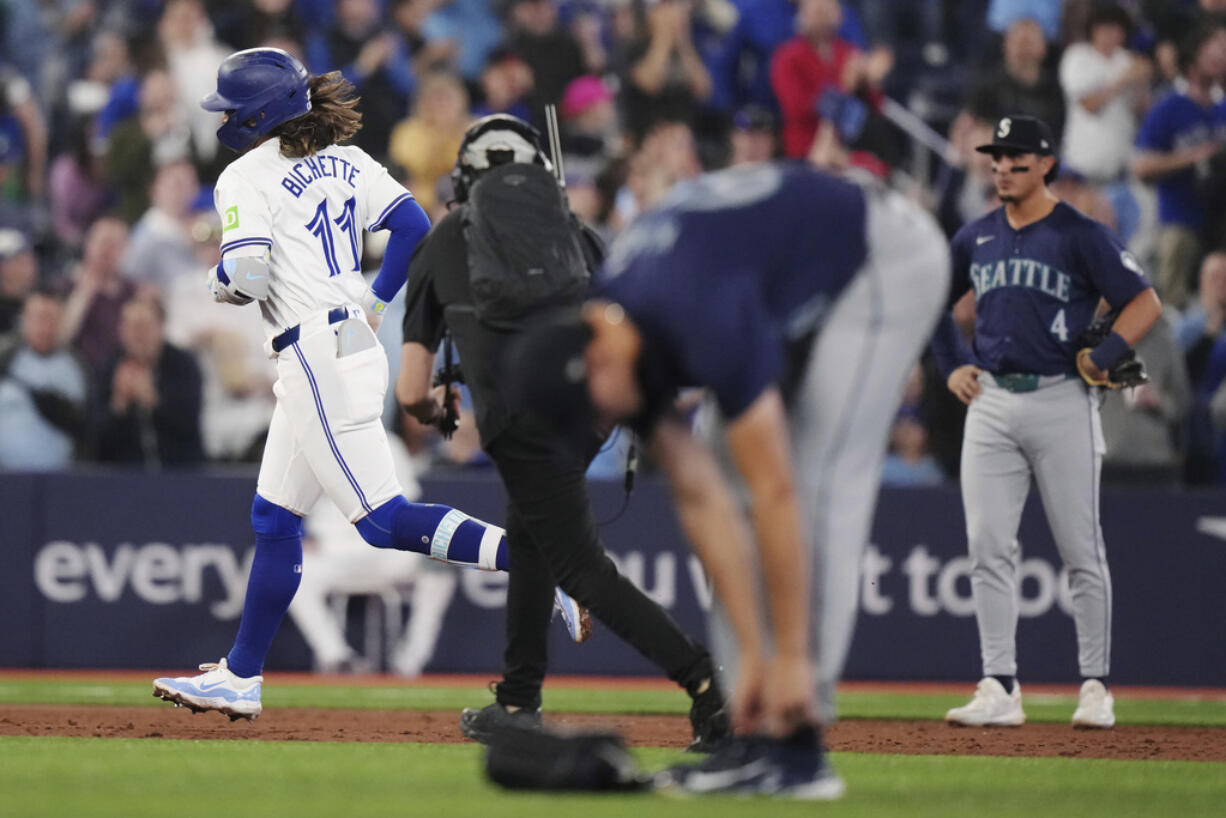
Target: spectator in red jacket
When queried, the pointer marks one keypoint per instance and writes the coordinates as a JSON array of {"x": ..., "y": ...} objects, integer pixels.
[{"x": 814, "y": 60}]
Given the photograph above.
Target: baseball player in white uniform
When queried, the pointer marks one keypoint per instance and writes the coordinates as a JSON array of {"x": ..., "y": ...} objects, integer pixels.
[
  {"x": 294, "y": 206},
  {"x": 1038, "y": 269}
]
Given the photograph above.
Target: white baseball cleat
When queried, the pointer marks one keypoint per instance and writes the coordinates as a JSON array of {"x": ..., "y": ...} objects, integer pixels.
[
  {"x": 215, "y": 689},
  {"x": 578, "y": 620},
  {"x": 1095, "y": 706},
  {"x": 991, "y": 707}
]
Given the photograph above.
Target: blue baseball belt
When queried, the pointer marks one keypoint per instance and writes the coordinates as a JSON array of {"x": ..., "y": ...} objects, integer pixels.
[
  {"x": 1026, "y": 382},
  {"x": 290, "y": 336}
]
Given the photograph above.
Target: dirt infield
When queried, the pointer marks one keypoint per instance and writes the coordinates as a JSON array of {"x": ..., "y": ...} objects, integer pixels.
[{"x": 1129, "y": 742}]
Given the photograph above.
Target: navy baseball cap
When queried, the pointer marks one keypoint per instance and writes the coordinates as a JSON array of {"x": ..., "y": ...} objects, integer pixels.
[
  {"x": 1026, "y": 134},
  {"x": 754, "y": 118}
]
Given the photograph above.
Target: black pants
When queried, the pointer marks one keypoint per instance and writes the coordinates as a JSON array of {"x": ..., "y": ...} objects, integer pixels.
[{"x": 553, "y": 540}]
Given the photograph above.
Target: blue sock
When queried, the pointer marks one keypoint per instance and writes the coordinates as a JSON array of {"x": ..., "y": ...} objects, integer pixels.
[
  {"x": 275, "y": 574},
  {"x": 437, "y": 531}
]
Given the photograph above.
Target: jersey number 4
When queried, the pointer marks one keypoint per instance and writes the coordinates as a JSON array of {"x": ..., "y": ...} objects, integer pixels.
[
  {"x": 321, "y": 226},
  {"x": 1058, "y": 327}
]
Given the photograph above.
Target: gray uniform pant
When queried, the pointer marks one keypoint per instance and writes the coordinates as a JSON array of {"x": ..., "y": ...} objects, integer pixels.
[
  {"x": 841, "y": 416},
  {"x": 1053, "y": 434}
]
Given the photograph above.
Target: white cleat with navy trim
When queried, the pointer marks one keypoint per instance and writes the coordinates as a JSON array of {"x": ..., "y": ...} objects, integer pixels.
[{"x": 215, "y": 689}]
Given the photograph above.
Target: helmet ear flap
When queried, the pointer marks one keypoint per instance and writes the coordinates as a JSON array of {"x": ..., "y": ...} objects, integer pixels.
[{"x": 261, "y": 88}]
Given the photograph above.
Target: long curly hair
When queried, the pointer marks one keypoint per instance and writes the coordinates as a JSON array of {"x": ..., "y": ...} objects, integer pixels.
[{"x": 332, "y": 118}]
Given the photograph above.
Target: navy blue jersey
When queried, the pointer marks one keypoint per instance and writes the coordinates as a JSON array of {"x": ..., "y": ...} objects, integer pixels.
[
  {"x": 733, "y": 266},
  {"x": 1036, "y": 289}
]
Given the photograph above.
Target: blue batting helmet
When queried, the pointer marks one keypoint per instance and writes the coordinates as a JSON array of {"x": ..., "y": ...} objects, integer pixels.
[{"x": 259, "y": 89}]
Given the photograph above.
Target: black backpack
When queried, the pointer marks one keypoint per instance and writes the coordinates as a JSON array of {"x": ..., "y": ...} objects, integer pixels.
[
  {"x": 540, "y": 759},
  {"x": 523, "y": 246}
]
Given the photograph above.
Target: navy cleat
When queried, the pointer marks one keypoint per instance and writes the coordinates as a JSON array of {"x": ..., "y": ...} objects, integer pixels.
[{"x": 796, "y": 767}]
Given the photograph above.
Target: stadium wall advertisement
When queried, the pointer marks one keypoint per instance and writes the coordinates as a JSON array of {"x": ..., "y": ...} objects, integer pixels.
[{"x": 116, "y": 569}]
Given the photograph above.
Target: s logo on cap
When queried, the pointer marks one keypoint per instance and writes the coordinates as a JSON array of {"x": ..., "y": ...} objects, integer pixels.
[{"x": 1002, "y": 130}]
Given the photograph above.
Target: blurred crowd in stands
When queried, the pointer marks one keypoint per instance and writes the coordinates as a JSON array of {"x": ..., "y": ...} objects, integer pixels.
[{"x": 111, "y": 350}]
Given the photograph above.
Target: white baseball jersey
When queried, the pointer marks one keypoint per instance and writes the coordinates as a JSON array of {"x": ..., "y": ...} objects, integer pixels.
[{"x": 313, "y": 211}]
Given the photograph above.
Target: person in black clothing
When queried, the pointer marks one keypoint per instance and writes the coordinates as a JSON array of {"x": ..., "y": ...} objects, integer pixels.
[
  {"x": 547, "y": 48},
  {"x": 1022, "y": 84},
  {"x": 256, "y": 22},
  {"x": 551, "y": 531},
  {"x": 149, "y": 396}
]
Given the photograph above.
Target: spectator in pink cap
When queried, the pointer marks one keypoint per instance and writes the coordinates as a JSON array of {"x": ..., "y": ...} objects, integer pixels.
[
  {"x": 591, "y": 133},
  {"x": 582, "y": 94}
]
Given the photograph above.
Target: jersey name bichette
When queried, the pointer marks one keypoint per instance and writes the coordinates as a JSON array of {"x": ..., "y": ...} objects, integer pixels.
[
  {"x": 1020, "y": 272},
  {"x": 321, "y": 166}
]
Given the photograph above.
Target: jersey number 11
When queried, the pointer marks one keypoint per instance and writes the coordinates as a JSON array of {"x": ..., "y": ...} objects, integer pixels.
[{"x": 321, "y": 226}]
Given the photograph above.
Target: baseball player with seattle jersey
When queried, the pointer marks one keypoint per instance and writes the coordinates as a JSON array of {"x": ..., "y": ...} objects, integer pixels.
[
  {"x": 294, "y": 206},
  {"x": 1038, "y": 269}
]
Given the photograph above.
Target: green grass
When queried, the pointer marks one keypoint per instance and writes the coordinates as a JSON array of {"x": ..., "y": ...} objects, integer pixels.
[
  {"x": 146, "y": 777},
  {"x": 577, "y": 699},
  {"x": 154, "y": 777}
]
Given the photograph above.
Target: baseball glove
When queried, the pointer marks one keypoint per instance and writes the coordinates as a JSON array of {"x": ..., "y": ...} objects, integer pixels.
[{"x": 1128, "y": 371}]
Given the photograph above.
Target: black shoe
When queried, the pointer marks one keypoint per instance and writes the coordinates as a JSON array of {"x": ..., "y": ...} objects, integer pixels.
[
  {"x": 484, "y": 724},
  {"x": 709, "y": 719}
]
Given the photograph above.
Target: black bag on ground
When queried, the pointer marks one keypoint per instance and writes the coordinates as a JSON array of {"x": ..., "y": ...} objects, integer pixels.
[
  {"x": 522, "y": 759},
  {"x": 523, "y": 247}
]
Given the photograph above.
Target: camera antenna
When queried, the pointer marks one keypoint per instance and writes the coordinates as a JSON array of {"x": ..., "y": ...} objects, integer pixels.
[{"x": 555, "y": 143}]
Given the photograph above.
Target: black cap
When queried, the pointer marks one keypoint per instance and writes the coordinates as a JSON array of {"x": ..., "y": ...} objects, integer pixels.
[{"x": 1027, "y": 134}]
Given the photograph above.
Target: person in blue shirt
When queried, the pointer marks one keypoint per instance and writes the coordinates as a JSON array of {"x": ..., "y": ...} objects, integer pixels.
[
  {"x": 471, "y": 26},
  {"x": 43, "y": 390},
  {"x": 1179, "y": 136},
  {"x": 799, "y": 301},
  {"x": 1037, "y": 269}
]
